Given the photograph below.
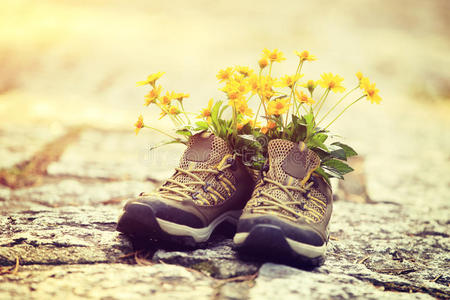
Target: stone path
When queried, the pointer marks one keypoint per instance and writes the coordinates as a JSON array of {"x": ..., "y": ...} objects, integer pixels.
[{"x": 62, "y": 231}]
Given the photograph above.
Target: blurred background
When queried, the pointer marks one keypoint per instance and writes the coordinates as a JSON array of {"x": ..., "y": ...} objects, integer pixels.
[
  {"x": 78, "y": 61},
  {"x": 66, "y": 63}
]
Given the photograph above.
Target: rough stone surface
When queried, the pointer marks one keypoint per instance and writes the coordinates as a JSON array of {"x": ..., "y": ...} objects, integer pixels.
[
  {"x": 101, "y": 281},
  {"x": 117, "y": 155},
  {"x": 299, "y": 284},
  {"x": 218, "y": 260},
  {"x": 73, "y": 192},
  {"x": 77, "y": 235}
]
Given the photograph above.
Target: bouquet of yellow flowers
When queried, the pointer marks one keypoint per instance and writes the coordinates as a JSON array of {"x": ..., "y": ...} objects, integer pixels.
[{"x": 288, "y": 108}]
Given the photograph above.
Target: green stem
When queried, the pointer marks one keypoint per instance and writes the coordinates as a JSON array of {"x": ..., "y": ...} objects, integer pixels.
[
  {"x": 160, "y": 131},
  {"x": 256, "y": 116},
  {"x": 234, "y": 120},
  {"x": 299, "y": 68},
  {"x": 184, "y": 112},
  {"x": 321, "y": 104},
  {"x": 340, "y": 114},
  {"x": 337, "y": 103}
]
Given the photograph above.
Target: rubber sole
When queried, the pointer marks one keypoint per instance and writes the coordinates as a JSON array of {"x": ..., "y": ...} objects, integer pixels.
[
  {"x": 268, "y": 242},
  {"x": 139, "y": 221}
]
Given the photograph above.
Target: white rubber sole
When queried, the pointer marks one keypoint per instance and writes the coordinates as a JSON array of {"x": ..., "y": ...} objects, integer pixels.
[
  {"x": 300, "y": 248},
  {"x": 199, "y": 234}
]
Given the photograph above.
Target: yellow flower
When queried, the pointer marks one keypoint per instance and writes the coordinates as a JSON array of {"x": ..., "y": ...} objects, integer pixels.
[
  {"x": 173, "y": 110},
  {"x": 266, "y": 88},
  {"x": 371, "y": 91},
  {"x": 179, "y": 96},
  {"x": 303, "y": 98},
  {"x": 310, "y": 85},
  {"x": 359, "y": 75},
  {"x": 278, "y": 107},
  {"x": 263, "y": 62},
  {"x": 289, "y": 81},
  {"x": 304, "y": 55},
  {"x": 253, "y": 83},
  {"x": 224, "y": 74},
  {"x": 139, "y": 124},
  {"x": 332, "y": 82},
  {"x": 246, "y": 71},
  {"x": 243, "y": 109},
  {"x": 166, "y": 99},
  {"x": 151, "y": 79},
  {"x": 270, "y": 125},
  {"x": 206, "y": 112},
  {"x": 152, "y": 95},
  {"x": 274, "y": 55}
]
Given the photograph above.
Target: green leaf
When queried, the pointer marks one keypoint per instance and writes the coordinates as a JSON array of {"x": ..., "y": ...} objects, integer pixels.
[
  {"x": 332, "y": 173},
  {"x": 338, "y": 166},
  {"x": 308, "y": 119},
  {"x": 317, "y": 140},
  {"x": 184, "y": 132},
  {"x": 322, "y": 173},
  {"x": 349, "y": 152},
  {"x": 324, "y": 155},
  {"x": 201, "y": 125},
  {"x": 299, "y": 129},
  {"x": 339, "y": 154}
]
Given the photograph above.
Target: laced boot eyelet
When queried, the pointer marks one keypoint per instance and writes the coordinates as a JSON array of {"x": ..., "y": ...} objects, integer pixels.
[
  {"x": 204, "y": 187},
  {"x": 302, "y": 206},
  {"x": 218, "y": 176},
  {"x": 232, "y": 162}
]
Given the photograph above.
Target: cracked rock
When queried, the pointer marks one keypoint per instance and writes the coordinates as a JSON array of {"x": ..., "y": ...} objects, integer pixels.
[
  {"x": 218, "y": 260},
  {"x": 77, "y": 235},
  {"x": 106, "y": 281}
]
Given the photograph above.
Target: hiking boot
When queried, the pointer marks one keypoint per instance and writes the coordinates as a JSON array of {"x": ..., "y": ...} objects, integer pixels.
[
  {"x": 209, "y": 187},
  {"x": 286, "y": 220}
]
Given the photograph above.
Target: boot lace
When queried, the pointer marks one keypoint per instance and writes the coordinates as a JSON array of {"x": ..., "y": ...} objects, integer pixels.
[
  {"x": 270, "y": 204},
  {"x": 179, "y": 191}
]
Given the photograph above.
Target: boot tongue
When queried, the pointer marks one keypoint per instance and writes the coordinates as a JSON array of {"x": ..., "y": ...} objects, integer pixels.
[
  {"x": 290, "y": 162},
  {"x": 198, "y": 148},
  {"x": 204, "y": 150}
]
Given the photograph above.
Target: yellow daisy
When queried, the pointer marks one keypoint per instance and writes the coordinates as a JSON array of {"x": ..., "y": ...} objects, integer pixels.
[
  {"x": 173, "y": 110},
  {"x": 371, "y": 91},
  {"x": 225, "y": 74},
  {"x": 303, "y": 98},
  {"x": 359, "y": 75},
  {"x": 274, "y": 55},
  {"x": 278, "y": 107},
  {"x": 332, "y": 82},
  {"x": 263, "y": 62},
  {"x": 289, "y": 80},
  {"x": 304, "y": 55},
  {"x": 206, "y": 112},
  {"x": 139, "y": 124},
  {"x": 245, "y": 71},
  {"x": 151, "y": 79},
  {"x": 243, "y": 109},
  {"x": 152, "y": 95},
  {"x": 179, "y": 96},
  {"x": 166, "y": 99}
]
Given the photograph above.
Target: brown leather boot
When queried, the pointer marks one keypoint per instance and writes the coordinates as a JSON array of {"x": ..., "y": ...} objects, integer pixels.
[
  {"x": 209, "y": 187},
  {"x": 287, "y": 217}
]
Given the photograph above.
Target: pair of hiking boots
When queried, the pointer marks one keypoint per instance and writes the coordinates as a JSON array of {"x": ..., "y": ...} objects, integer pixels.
[{"x": 283, "y": 215}]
